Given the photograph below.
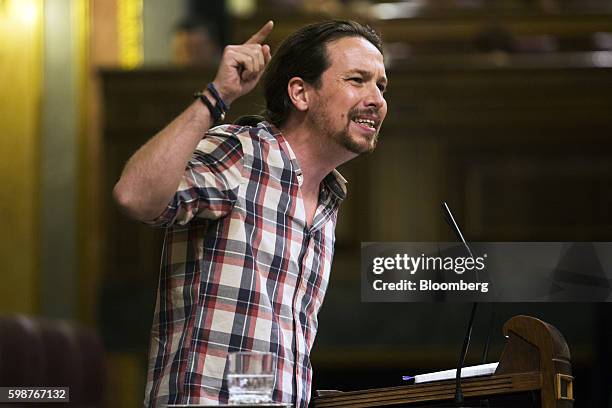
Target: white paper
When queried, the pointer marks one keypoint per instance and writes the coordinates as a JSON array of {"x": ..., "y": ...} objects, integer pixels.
[{"x": 472, "y": 371}]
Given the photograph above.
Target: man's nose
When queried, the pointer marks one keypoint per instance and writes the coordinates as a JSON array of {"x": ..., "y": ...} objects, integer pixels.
[{"x": 375, "y": 97}]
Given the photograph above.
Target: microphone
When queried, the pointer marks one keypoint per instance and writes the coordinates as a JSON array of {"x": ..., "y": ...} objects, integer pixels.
[{"x": 448, "y": 215}]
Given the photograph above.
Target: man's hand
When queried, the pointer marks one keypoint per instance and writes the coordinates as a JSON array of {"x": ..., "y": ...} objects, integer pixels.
[
  {"x": 242, "y": 65},
  {"x": 151, "y": 176}
]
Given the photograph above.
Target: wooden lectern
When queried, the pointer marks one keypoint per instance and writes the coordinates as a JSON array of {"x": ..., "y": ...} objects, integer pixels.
[{"x": 534, "y": 367}]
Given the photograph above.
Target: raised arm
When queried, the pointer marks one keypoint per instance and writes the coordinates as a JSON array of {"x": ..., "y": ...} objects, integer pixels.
[{"x": 152, "y": 175}]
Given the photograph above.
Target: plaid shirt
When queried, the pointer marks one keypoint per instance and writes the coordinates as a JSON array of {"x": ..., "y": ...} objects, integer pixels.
[{"x": 241, "y": 270}]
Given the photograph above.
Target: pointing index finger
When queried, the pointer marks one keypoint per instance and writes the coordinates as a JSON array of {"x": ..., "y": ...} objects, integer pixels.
[{"x": 261, "y": 35}]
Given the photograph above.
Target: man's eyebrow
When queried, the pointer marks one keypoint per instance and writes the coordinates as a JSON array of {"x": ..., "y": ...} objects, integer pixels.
[
  {"x": 368, "y": 74},
  {"x": 361, "y": 72}
]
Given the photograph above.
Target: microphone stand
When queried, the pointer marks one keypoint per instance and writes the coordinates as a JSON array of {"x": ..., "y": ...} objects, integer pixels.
[
  {"x": 448, "y": 215},
  {"x": 485, "y": 403},
  {"x": 461, "y": 363}
]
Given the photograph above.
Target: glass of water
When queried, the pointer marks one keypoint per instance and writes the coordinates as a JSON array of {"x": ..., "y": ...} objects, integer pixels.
[{"x": 250, "y": 377}]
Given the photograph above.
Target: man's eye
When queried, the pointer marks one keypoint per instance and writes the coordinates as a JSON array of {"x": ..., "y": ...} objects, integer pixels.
[
  {"x": 357, "y": 80},
  {"x": 382, "y": 88}
]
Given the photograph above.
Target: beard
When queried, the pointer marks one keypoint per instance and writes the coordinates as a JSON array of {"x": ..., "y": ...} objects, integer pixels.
[{"x": 323, "y": 124}]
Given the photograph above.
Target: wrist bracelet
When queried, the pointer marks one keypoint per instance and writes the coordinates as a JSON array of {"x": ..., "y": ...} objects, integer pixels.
[
  {"x": 215, "y": 94},
  {"x": 216, "y": 112}
]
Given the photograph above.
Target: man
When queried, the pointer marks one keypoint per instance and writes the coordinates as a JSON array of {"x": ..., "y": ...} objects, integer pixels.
[{"x": 250, "y": 212}]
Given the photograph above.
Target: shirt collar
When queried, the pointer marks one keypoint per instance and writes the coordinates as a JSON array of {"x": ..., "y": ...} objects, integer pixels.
[
  {"x": 334, "y": 180},
  {"x": 336, "y": 183}
]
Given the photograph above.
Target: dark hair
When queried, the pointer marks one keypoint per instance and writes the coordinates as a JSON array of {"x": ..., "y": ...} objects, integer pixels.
[{"x": 303, "y": 54}]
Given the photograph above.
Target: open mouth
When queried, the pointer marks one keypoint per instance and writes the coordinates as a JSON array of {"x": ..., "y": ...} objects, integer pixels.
[{"x": 369, "y": 123}]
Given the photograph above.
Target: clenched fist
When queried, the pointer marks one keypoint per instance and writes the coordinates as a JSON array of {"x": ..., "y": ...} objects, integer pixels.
[{"x": 242, "y": 65}]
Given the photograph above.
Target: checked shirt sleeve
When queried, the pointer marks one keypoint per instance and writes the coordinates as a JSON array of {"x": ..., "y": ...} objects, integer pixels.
[{"x": 210, "y": 182}]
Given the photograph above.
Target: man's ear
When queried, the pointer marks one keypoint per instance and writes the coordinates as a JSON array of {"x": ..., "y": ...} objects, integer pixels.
[{"x": 298, "y": 91}]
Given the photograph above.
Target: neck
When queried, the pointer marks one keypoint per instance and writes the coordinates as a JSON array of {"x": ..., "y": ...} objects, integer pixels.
[{"x": 316, "y": 153}]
